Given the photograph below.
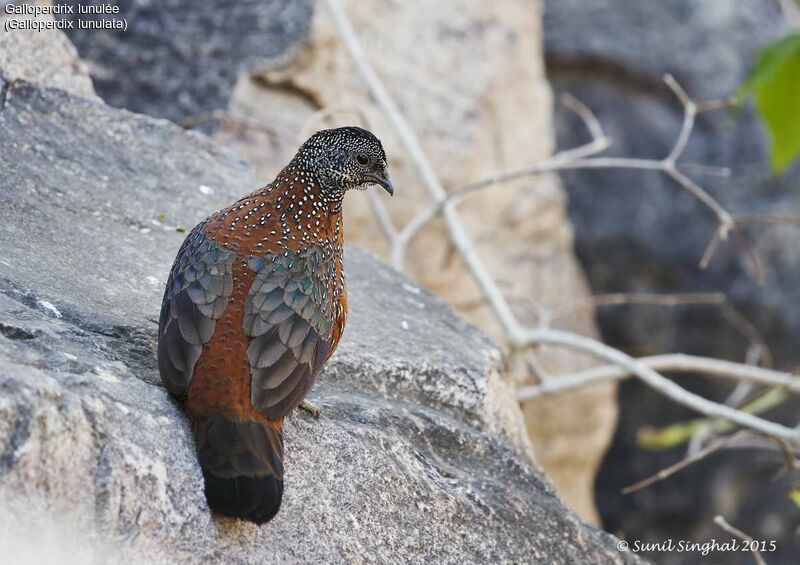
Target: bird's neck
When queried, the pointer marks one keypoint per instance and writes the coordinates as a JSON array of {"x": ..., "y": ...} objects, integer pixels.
[
  {"x": 289, "y": 213},
  {"x": 305, "y": 209}
]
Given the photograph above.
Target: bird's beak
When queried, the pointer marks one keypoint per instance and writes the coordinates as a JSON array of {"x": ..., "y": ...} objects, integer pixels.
[{"x": 384, "y": 181}]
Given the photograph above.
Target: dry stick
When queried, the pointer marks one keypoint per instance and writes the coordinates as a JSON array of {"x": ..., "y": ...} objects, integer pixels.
[
  {"x": 563, "y": 160},
  {"x": 683, "y": 463},
  {"x": 559, "y": 161},
  {"x": 662, "y": 384},
  {"x": 671, "y": 362},
  {"x": 571, "y": 160},
  {"x": 704, "y": 169},
  {"x": 518, "y": 336},
  {"x": 667, "y": 165},
  {"x": 751, "y": 543},
  {"x": 455, "y": 227},
  {"x": 769, "y": 219}
]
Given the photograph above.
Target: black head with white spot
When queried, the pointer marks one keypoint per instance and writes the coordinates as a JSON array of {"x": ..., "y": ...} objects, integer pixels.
[{"x": 344, "y": 158}]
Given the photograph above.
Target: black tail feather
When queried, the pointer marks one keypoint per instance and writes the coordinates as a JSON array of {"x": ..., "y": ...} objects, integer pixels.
[
  {"x": 257, "y": 499},
  {"x": 242, "y": 464}
]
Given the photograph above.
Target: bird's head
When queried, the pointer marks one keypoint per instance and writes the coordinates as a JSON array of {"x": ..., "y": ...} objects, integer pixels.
[{"x": 345, "y": 158}]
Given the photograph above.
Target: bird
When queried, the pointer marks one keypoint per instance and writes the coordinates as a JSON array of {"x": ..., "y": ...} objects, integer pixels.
[{"x": 254, "y": 306}]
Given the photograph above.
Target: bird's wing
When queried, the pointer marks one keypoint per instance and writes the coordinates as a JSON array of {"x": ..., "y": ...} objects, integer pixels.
[
  {"x": 290, "y": 315},
  {"x": 198, "y": 288}
]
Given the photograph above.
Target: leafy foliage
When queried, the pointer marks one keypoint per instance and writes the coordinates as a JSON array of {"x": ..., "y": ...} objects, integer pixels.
[{"x": 774, "y": 83}]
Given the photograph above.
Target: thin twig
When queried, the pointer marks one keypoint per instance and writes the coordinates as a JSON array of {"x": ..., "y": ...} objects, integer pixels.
[
  {"x": 455, "y": 227},
  {"x": 758, "y": 269},
  {"x": 698, "y": 169},
  {"x": 519, "y": 337},
  {"x": 711, "y": 248},
  {"x": 683, "y": 463},
  {"x": 689, "y": 113},
  {"x": 580, "y": 158},
  {"x": 584, "y": 113},
  {"x": 577, "y": 159},
  {"x": 537, "y": 370},
  {"x": 665, "y": 386},
  {"x": 768, "y": 219},
  {"x": 751, "y": 543},
  {"x": 668, "y": 363},
  {"x": 562, "y": 160}
]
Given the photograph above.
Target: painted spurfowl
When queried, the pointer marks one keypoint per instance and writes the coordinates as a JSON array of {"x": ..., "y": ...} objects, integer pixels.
[{"x": 254, "y": 306}]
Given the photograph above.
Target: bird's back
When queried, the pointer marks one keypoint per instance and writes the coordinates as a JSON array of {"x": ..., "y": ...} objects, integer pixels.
[{"x": 254, "y": 306}]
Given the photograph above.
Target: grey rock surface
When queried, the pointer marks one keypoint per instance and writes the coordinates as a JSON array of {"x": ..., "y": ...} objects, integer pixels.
[
  {"x": 638, "y": 232},
  {"x": 407, "y": 462},
  {"x": 46, "y": 58},
  {"x": 181, "y": 58}
]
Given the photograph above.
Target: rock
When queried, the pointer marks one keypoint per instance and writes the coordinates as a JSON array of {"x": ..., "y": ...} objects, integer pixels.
[
  {"x": 44, "y": 57},
  {"x": 637, "y": 232},
  {"x": 181, "y": 58},
  {"x": 409, "y": 461},
  {"x": 470, "y": 79}
]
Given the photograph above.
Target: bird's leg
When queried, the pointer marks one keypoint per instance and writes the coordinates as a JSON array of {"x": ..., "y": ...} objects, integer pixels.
[{"x": 311, "y": 408}]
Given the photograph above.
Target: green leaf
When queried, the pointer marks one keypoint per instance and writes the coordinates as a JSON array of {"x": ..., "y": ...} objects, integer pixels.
[
  {"x": 794, "y": 496},
  {"x": 666, "y": 438},
  {"x": 656, "y": 439},
  {"x": 774, "y": 83}
]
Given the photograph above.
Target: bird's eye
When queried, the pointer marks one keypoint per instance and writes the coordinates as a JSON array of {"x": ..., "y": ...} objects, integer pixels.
[{"x": 362, "y": 158}]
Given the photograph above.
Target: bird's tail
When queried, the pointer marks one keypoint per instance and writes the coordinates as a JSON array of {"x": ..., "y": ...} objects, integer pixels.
[{"x": 242, "y": 466}]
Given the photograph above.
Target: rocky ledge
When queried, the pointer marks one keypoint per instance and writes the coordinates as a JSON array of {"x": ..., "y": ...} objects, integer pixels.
[{"x": 419, "y": 455}]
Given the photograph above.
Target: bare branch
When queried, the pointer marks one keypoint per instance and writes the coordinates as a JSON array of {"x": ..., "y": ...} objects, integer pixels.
[
  {"x": 768, "y": 219},
  {"x": 455, "y": 227},
  {"x": 584, "y": 113},
  {"x": 724, "y": 217},
  {"x": 581, "y": 157},
  {"x": 689, "y": 113},
  {"x": 683, "y": 463},
  {"x": 711, "y": 248},
  {"x": 697, "y": 169},
  {"x": 664, "y": 385},
  {"x": 669, "y": 363},
  {"x": 752, "y": 544},
  {"x": 560, "y": 161}
]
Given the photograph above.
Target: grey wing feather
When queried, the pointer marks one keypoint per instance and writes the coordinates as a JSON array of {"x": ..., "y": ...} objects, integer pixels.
[
  {"x": 290, "y": 323},
  {"x": 197, "y": 292}
]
